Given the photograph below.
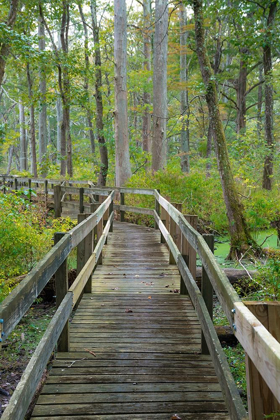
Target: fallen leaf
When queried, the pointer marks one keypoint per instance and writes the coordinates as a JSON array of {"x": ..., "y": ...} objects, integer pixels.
[
  {"x": 176, "y": 417},
  {"x": 128, "y": 311},
  {"x": 176, "y": 290},
  {"x": 136, "y": 275},
  {"x": 167, "y": 285},
  {"x": 149, "y": 297},
  {"x": 91, "y": 352}
]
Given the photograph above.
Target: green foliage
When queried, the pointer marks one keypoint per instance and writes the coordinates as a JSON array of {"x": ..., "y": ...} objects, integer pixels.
[
  {"x": 25, "y": 236},
  {"x": 268, "y": 278},
  {"x": 236, "y": 360}
]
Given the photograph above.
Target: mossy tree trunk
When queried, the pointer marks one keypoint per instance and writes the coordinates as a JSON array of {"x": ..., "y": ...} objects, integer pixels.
[{"x": 241, "y": 240}]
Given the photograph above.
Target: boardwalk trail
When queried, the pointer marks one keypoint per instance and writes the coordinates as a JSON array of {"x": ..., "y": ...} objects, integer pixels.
[{"x": 134, "y": 343}]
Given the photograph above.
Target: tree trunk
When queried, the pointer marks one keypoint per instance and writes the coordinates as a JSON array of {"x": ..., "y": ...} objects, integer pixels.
[
  {"x": 23, "y": 143},
  {"x": 66, "y": 142},
  {"x": 146, "y": 119},
  {"x": 268, "y": 98},
  {"x": 86, "y": 83},
  {"x": 241, "y": 84},
  {"x": 209, "y": 148},
  {"x": 159, "y": 147},
  {"x": 123, "y": 169},
  {"x": 241, "y": 240},
  {"x": 58, "y": 128},
  {"x": 260, "y": 100},
  {"x": 10, "y": 159},
  {"x": 32, "y": 123},
  {"x": 185, "y": 133},
  {"x": 43, "y": 104},
  {"x": 99, "y": 101},
  {"x": 4, "y": 48}
]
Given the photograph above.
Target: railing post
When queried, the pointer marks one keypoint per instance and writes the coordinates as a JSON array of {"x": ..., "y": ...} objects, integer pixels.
[
  {"x": 122, "y": 204},
  {"x": 111, "y": 210},
  {"x": 207, "y": 291},
  {"x": 175, "y": 233},
  {"x": 46, "y": 192},
  {"x": 157, "y": 208},
  {"x": 29, "y": 188},
  {"x": 99, "y": 231},
  {"x": 192, "y": 219},
  {"x": 1, "y": 332},
  {"x": 84, "y": 251},
  {"x": 81, "y": 200},
  {"x": 57, "y": 201},
  {"x": 16, "y": 184},
  {"x": 261, "y": 401},
  {"x": 61, "y": 288},
  {"x": 4, "y": 185}
]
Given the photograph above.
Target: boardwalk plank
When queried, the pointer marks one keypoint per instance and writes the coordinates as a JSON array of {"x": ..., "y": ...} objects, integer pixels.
[{"x": 134, "y": 343}]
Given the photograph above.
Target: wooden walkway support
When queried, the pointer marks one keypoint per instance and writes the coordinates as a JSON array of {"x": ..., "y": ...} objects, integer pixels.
[{"x": 134, "y": 343}]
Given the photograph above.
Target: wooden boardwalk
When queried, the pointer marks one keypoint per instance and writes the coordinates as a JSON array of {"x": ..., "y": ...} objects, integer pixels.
[{"x": 135, "y": 343}]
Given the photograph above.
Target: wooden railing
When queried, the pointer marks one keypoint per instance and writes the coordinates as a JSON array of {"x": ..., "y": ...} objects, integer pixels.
[
  {"x": 261, "y": 347},
  {"x": 55, "y": 263}
]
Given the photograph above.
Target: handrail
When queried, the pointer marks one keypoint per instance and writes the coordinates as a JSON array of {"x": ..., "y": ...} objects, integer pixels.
[
  {"x": 262, "y": 348},
  {"x": 26, "y": 388},
  {"x": 21, "y": 298},
  {"x": 258, "y": 343}
]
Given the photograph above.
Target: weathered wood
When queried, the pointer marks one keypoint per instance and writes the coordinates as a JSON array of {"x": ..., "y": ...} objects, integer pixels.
[
  {"x": 261, "y": 402},
  {"x": 233, "y": 400},
  {"x": 57, "y": 201},
  {"x": 81, "y": 200},
  {"x": 174, "y": 232},
  {"x": 81, "y": 247},
  {"x": 207, "y": 291},
  {"x": 122, "y": 212},
  {"x": 61, "y": 289},
  {"x": 190, "y": 251},
  {"x": 85, "y": 227},
  {"x": 82, "y": 279},
  {"x": 143, "y": 191},
  {"x": 21, "y": 298},
  {"x": 138, "y": 210},
  {"x": 25, "y": 389}
]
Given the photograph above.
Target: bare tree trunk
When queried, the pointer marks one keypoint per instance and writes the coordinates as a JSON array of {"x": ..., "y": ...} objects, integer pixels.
[
  {"x": 23, "y": 142},
  {"x": 86, "y": 82},
  {"x": 260, "y": 100},
  {"x": 32, "y": 123},
  {"x": 43, "y": 104},
  {"x": 66, "y": 142},
  {"x": 209, "y": 148},
  {"x": 4, "y": 48},
  {"x": 268, "y": 98},
  {"x": 241, "y": 240},
  {"x": 123, "y": 169},
  {"x": 58, "y": 127},
  {"x": 146, "y": 120},
  {"x": 10, "y": 159},
  {"x": 159, "y": 147},
  {"x": 241, "y": 83},
  {"x": 185, "y": 132},
  {"x": 98, "y": 98}
]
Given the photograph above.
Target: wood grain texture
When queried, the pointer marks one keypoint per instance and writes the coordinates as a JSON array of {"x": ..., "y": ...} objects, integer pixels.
[{"x": 134, "y": 343}]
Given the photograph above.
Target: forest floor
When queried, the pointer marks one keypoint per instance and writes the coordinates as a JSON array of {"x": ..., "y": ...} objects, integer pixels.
[{"x": 20, "y": 346}]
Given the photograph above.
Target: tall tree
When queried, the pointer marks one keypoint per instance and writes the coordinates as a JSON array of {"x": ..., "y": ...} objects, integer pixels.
[
  {"x": 146, "y": 120},
  {"x": 64, "y": 87},
  {"x": 32, "y": 121},
  {"x": 123, "y": 169},
  {"x": 159, "y": 147},
  {"x": 43, "y": 105},
  {"x": 99, "y": 99},
  {"x": 268, "y": 96},
  {"x": 241, "y": 240},
  {"x": 86, "y": 81},
  {"x": 23, "y": 140},
  {"x": 4, "y": 45},
  {"x": 185, "y": 111}
]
